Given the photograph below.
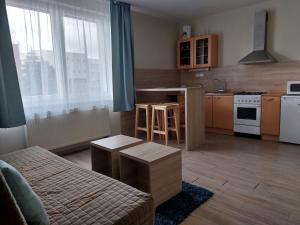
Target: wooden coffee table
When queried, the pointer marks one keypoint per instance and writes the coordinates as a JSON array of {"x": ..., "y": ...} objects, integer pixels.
[
  {"x": 152, "y": 168},
  {"x": 105, "y": 153}
]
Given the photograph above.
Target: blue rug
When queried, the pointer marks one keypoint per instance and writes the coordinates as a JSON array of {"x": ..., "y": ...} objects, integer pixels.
[{"x": 178, "y": 208}]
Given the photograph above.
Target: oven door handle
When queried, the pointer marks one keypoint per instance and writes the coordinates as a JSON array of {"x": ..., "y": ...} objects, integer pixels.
[{"x": 239, "y": 105}]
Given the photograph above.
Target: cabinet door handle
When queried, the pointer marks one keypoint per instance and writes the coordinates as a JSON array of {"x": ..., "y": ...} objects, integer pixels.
[{"x": 270, "y": 99}]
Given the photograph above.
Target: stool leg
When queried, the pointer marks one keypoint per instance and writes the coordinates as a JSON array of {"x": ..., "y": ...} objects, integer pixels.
[
  {"x": 147, "y": 123},
  {"x": 171, "y": 115},
  {"x": 166, "y": 130},
  {"x": 158, "y": 118},
  {"x": 179, "y": 121},
  {"x": 162, "y": 137},
  {"x": 152, "y": 123},
  {"x": 177, "y": 124},
  {"x": 136, "y": 121}
]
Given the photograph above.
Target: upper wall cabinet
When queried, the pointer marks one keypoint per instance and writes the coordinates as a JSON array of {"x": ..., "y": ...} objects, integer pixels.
[
  {"x": 198, "y": 52},
  {"x": 185, "y": 54},
  {"x": 206, "y": 51}
]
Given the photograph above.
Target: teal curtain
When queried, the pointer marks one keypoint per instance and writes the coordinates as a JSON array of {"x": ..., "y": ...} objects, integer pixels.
[
  {"x": 11, "y": 107},
  {"x": 122, "y": 57}
]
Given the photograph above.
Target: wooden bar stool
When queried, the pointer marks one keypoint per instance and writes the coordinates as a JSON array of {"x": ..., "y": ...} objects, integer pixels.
[
  {"x": 170, "y": 114},
  {"x": 147, "y": 108}
]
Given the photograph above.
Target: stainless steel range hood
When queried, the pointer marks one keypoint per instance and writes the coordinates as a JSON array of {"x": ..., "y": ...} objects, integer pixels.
[{"x": 259, "y": 54}]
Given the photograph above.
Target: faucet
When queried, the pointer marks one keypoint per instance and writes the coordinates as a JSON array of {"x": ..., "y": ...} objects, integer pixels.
[{"x": 221, "y": 85}]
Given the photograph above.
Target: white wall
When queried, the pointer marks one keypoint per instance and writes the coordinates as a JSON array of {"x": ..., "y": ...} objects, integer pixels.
[
  {"x": 115, "y": 123},
  {"x": 61, "y": 131},
  {"x": 12, "y": 139},
  {"x": 236, "y": 30},
  {"x": 65, "y": 130},
  {"x": 154, "y": 42}
]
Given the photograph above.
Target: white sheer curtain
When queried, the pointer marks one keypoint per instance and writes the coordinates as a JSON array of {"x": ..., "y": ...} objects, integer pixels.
[{"x": 62, "y": 51}]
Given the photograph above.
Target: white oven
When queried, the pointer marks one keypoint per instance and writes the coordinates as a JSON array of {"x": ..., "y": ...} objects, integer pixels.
[
  {"x": 293, "y": 87},
  {"x": 247, "y": 114}
]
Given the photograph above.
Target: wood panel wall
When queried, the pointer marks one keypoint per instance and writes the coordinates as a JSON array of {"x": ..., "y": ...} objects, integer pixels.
[
  {"x": 154, "y": 78},
  {"x": 149, "y": 78},
  {"x": 266, "y": 77}
]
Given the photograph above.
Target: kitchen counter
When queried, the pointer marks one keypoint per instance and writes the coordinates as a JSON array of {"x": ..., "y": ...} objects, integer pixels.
[
  {"x": 269, "y": 94},
  {"x": 274, "y": 94},
  {"x": 162, "y": 89},
  {"x": 219, "y": 93},
  {"x": 211, "y": 93}
]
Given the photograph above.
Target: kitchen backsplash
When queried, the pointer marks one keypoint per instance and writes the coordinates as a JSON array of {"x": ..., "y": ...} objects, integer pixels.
[{"x": 267, "y": 77}]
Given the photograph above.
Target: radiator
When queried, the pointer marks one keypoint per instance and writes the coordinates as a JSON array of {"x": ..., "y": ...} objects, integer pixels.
[
  {"x": 60, "y": 131},
  {"x": 12, "y": 139}
]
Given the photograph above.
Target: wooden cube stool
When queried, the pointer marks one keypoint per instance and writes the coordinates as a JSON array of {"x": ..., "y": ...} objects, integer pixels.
[
  {"x": 105, "y": 153},
  {"x": 152, "y": 168},
  {"x": 166, "y": 109}
]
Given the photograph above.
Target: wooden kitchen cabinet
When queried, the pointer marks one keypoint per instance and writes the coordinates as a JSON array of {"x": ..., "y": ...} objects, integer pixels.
[
  {"x": 185, "y": 53},
  {"x": 218, "y": 113},
  {"x": 208, "y": 111},
  {"x": 198, "y": 52},
  {"x": 206, "y": 51},
  {"x": 270, "y": 121},
  {"x": 223, "y": 112}
]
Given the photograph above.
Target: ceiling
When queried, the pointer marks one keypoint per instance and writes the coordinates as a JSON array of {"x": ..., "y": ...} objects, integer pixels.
[{"x": 185, "y": 10}]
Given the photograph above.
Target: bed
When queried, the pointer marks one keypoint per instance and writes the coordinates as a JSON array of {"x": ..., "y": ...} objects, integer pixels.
[{"x": 72, "y": 195}]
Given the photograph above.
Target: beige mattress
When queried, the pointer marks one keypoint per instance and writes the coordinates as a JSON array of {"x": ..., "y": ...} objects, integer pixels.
[{"x": 76, "y": 196}]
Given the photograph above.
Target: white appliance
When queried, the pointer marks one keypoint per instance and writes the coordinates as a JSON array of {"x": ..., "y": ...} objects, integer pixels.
[
  {"x": 293, "y": 87},
  {"x": 290, "y": 119},
  {"x": 247, "y": 112}
]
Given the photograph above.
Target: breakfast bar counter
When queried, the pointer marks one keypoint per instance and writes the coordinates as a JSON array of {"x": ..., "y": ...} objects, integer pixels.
[{"x": 194, "y": 113}]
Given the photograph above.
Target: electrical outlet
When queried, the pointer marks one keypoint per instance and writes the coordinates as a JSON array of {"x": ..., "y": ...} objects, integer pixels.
[{"x": 199, "y": 75}]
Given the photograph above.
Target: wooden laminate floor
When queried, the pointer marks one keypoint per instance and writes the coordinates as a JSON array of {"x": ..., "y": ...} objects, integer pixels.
[{"x": 255, "y": 182}]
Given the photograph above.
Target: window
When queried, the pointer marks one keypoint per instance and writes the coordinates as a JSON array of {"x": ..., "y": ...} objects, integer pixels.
[
  {"x": 63, "y": 56},
  {"x": 34, "y": 54},
  {"x": 82, "y": 56}
]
